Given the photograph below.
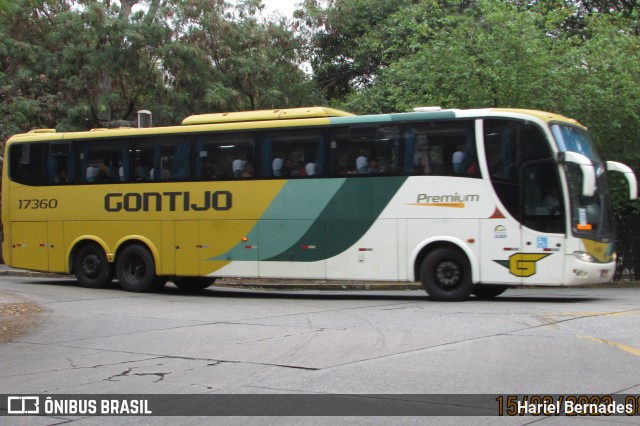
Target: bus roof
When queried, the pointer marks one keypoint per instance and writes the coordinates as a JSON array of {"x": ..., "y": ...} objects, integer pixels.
[
  {"x": 292, "y": 117},
  {"x": 542, "y": 115},
  {"x": 265, "y": 115}
]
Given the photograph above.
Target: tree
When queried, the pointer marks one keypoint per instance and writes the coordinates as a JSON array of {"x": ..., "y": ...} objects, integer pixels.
[
  {"x": 75, "y": 65},
  {"x": 234, "y": 61},
  {"x": 492, "y": 54},
  {"x": 345, "y": 54},
  {"x": 78, "y": 64}
]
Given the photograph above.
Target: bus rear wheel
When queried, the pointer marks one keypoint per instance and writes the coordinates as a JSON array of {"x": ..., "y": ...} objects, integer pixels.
[
  {"x": 136, "y": 270},
  {"x": 193, "y": 284},
  {"x": 446, "y": 275},
  {"x": 91, "y": 267}
]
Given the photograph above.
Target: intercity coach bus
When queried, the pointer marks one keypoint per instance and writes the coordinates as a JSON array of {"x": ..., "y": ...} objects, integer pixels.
[{"x": 464, "y": 201}]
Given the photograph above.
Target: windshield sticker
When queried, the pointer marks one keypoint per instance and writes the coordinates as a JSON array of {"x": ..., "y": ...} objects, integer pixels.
[{"x": 582, "y": 216}]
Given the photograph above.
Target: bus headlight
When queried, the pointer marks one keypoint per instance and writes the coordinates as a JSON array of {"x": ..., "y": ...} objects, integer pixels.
[{"x": 584, "y": 256}]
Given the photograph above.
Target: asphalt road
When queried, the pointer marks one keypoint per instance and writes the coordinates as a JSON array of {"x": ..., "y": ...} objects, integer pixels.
[{"x": 228, "y": 341}]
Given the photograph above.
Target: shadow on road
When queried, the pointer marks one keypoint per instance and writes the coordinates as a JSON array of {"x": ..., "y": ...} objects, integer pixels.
[{"x": 524, "y": 295}]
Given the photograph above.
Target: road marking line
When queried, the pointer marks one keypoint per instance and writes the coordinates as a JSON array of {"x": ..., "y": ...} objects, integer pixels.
[{"x": 623, "y": 347}]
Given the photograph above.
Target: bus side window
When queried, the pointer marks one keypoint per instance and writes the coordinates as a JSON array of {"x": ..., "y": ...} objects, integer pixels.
[
  {"x": 441, "y": 148},
  {"x": 365, "y": 150},
  {"x": 27, "y": 163},
  {"x": 60, "y": 163},
  {"x": 542, "y": 196},
  {"x": 291, "y": 154},
  {"x": 223, "y": 155},
  {"x": 102, "y": 161},
  {"x": 159, "y": 158},
  {"x": 508, "y": 145}
]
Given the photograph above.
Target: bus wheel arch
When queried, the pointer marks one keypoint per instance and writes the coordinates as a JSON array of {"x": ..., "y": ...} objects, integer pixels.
[
  {"x": 89, "y": 263},
  {"x": 445, "y": 271},
  {"x": 136, "y": 267}
]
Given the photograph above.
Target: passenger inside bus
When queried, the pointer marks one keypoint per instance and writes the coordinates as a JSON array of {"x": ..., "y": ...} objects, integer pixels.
[
  {"x": 277, "y": 166},
  {"x": 249, "y": 170},
  {"x": 309, "y": 169},
  {"x": 367, "y": 165},
  {"x": 457, "y": 161},
  {"x": 142, "y": 172},
  {"x": 62, "y": 177},
  {"x": 92, "y": 173},
  {"x": 238, "y": 167}
]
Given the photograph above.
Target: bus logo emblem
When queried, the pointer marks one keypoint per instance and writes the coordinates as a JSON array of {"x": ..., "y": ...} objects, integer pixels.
[{"x": 522, "y": 264}]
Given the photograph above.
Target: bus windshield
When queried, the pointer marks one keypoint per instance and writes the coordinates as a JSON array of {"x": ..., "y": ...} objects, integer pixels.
[
  {"x": 590, "y": 216},
  {"x": 575, "y": 139}
]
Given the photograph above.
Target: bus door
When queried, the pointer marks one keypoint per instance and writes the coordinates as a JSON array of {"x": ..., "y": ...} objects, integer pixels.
[
  {"x": 541, "y": 259},
  {"x": 526, "y": 239},
  {"x": 186, "y": 244}
]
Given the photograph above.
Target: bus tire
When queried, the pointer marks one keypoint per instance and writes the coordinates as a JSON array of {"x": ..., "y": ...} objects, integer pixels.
[
  {"x": 91, "y": 267},
  {"x": 193, "y": 284},
  {"x": 136, "y": 270},
  {"x": 488, "y": 291},
  {"x": 445, "y": 274}
]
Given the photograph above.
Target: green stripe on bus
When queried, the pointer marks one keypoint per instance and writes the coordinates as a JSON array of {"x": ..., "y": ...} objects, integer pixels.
[
  {"x": 292, "y": 213},
  {"x": 344, "y": 221}
]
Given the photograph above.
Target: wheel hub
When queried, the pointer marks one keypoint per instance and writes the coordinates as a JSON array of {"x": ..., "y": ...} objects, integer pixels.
[
  {"x": 448, "y": 274},
  {"x": 91, "y": 265}
]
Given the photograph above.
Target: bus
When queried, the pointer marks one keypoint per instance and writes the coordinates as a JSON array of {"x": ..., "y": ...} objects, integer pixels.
[{"x": 463, "y": 201}]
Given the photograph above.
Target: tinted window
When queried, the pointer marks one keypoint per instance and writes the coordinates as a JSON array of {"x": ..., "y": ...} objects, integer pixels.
[
  {"x": 542, "y": 197},
  {"x": 292, "y": 153},
  {"x": 61, "y": 163},
  {"x": 162, "y": 158},
  {"x": 441, "y": 148},
  {"x": 27, "y": 163},
  {"x": 225, "y": 156},
  {"x": 508, "y": 146},
  {"x": 363, "y": 150},
  {"x": 103, "y": 161}
]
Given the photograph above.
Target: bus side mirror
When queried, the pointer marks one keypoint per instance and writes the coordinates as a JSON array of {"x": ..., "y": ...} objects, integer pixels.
[
  {"x": 587, "y": 168},
  {"x": 628, "y": 174}
]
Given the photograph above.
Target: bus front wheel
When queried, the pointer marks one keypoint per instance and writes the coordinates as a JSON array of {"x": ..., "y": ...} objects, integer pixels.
[
  {"x": 91, "y": 267},
  {"x": 446, "y": 275},
  {"x": 136, "y": 270}
]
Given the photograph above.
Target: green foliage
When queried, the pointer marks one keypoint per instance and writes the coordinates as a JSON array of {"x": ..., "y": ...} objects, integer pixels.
[
  {"x": 77, "y": 64},
  {"x": 222, "y": 64}
]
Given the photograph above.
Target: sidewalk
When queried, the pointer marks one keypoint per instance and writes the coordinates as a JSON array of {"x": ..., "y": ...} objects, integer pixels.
[{"x": 7, "y": 270}]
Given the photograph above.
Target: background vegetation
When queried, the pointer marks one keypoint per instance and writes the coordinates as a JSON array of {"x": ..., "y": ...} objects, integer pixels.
[{"x": 77, "y": 64}]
